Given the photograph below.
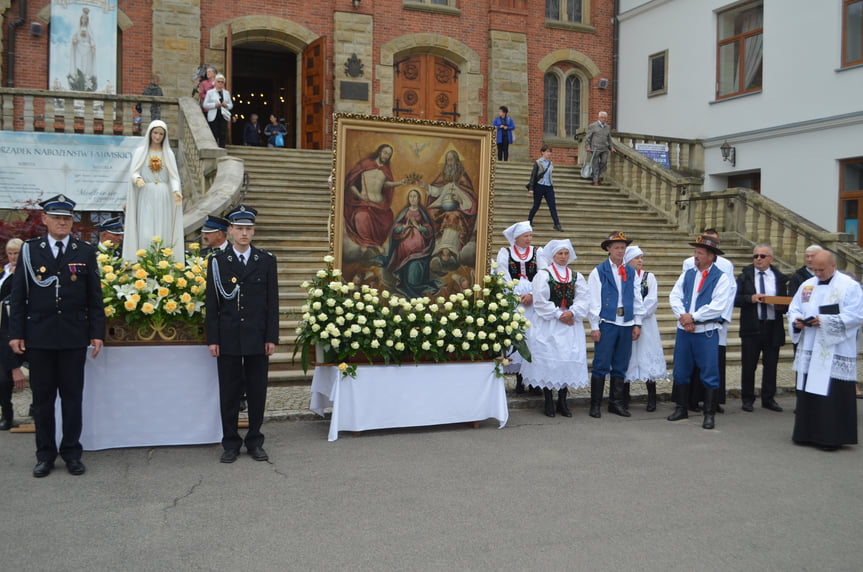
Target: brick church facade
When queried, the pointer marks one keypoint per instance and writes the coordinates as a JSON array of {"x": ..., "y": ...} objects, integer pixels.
[{"x": 550, "y": 63}]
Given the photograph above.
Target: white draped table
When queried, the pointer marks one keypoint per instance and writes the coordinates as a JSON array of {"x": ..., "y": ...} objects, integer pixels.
[
  {"x": 386, "y": 396},
  {"x": 139, "y": 396}
]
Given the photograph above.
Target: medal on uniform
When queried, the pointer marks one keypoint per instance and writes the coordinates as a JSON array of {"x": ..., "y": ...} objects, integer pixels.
[
  {"x": 233, "y": 279},
  {"x": 41, "y": 269}
]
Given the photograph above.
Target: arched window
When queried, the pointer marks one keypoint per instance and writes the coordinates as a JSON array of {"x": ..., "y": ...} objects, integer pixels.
[{"x": 564, "y": 102}]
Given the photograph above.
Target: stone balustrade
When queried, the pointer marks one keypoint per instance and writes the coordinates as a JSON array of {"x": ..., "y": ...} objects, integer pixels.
[{"x": 211, "y": 180}]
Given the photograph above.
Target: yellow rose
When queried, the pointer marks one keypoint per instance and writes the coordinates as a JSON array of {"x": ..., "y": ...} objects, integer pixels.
[
  {"x": 140, "y": 284},
  {"x": 136, "y": 266},
  {"x": 189, "y": 275},
  {"x": 179, "y": 266},
  {"x": 102, "y": 258},
  {"x": 168, "y": 279},
  {"x": 135, "y": 298},
  {"x": 343, "y": 367},
  {"x": 163, "y": 292},
  {"x": 167, "y": 252},
  {"x": 170, "y": 306},
  {"x": 194, "y": 289},
  {"x": 107, "y": 269},
  {"x": 109, "y": 311},
  {"x": 186, "y": 298},
  {"x": 148, "y": 308},
  {"x": 130, "y": 305},
  {"x": 200, "y": 279},
  {"x": 181, "y": 282},
  {"x": 190, "y": 307},
  {"x": 163, "y": 264},
  {"x": 140, "y": 274},
  {"x": 124, "y": 278},
  {"x": 110, "y": 277},
  {"x": 196, "y": 269},
  {"x": 206, "y": 262},
  {"x": 157, "y": 239},
  {"x": 194, "y": 246},
  {"x": 141, "y": 253}
]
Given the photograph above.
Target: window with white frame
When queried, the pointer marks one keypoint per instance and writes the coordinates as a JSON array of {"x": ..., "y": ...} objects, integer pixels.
[
  {"x": 740, "y": 49},
  {"x": 564, "y": 102}
]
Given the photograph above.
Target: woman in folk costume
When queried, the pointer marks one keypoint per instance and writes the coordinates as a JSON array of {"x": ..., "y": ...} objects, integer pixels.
[
  {"x": 154, "y": 203},
  {"x": 647, "y": 363},
  {"x": 520, "y": 261},
  {"x": 556, "y": 341}
]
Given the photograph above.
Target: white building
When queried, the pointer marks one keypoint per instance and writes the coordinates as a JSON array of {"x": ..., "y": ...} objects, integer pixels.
[{"x": 780, "y": 80}]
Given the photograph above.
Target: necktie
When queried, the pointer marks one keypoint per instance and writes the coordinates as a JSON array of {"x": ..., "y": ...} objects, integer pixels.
[
  {"x": 703, "y": 277},
  {"x": 763, "y": 313},
  {"x": 59, "y": 245},
  {"x": 243, "y": 259},
  {"x": 621, "y": 271}
]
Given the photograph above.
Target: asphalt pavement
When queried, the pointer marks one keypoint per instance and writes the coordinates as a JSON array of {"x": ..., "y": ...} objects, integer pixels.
[{"x": 540, "y": 494}]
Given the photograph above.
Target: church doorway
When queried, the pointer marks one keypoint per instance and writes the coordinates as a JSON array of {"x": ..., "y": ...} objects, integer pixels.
[
  {"x": 426, "y": 87},
  {"x": 264, "y": 81}
]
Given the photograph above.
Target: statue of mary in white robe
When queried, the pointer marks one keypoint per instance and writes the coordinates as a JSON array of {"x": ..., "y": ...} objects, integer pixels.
[{"x": 152, "y": 209}]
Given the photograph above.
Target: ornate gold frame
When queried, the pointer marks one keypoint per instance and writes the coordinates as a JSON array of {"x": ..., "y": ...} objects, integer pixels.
[{"x": 419, "y": 148}]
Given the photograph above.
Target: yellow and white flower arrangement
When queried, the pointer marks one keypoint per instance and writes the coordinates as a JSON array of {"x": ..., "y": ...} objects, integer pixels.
[
  {"x": 155, "y": 289},
  {"x": 481, "y": 323}
]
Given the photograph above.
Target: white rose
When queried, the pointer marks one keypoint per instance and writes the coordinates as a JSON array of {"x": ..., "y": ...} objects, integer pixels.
[
  {"x": 484, "y": 347},
  {"x": 389, "y": 343},
  {"x": 470, "y": 336},
  {"x": 329, "y": 258},
  {"x": 482, "y": 334},
  {"x": 340, "y": 320},
  {"x": 492, "y": 307},
  {"x": 375, "y": 344},
  {"x": 321, "y": 274},
  {"x": 465, "y": 346},
  {"x": 331, "y": 302},
  {"x": 336, "y": 343},
  {"x": 400, "y": 347},
  {"x": 456, "y": 333},
  {"x": 439, "y": 343},
  {"x": 355, "y": 345},
  {"x": 480, "y": 322},
  {"x": 414, "y": 333},
  {"x": 496, "y": 347},
  {"x": 426, "y": 345},
  {"x": 427, "y": 330},
  {"x": 450, "y": 348}
]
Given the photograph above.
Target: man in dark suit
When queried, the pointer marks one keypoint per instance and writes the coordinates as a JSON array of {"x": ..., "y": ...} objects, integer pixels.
[
  {"x": 762, "y": 330},
  {"x": 214, "y": 235},
  {"x": 111, "y": 236},
  {"x": 242, "y": 330},
  {"x": 57, "y": 312}
]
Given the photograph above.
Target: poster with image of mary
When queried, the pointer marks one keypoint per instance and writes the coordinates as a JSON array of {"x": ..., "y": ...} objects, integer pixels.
[{"x": 83, "y": 54}]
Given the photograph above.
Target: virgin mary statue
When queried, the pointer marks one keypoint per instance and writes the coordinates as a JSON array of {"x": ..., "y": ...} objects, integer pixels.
[{"x": 154, "y": 203}]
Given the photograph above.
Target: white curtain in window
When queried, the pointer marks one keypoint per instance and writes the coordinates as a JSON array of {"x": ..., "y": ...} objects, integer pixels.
[{"x": 752, "y": 19}]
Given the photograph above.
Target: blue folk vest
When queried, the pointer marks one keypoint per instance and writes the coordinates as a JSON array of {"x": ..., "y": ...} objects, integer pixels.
[
  {"x": 609, "y": 293},
  {"x": 706, "y": 295}
]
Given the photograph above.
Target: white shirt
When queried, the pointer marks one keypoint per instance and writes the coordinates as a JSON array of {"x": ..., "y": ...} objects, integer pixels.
[
  {"x": 594, "y": 287},
  {"x": 727, "y": 267},
  {"x": 52, "y": 242},
  {"x": 723, "y": 292},
  {"x": 769, "y": 290},
  {"x": 245, "y": 255}
]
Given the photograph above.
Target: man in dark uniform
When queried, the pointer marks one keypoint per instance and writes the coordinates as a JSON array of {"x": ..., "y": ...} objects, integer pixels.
[
  {"x": 242, "y": 330},
  {"x": 111, "y": 231},
  {"x": 57, "y": 312},
  {"x": 214, "y": 235}
]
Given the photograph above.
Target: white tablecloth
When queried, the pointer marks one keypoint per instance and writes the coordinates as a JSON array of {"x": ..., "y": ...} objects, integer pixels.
[
  {"x": 138, "y": 396},
  {"x": 409, "y": 396}
]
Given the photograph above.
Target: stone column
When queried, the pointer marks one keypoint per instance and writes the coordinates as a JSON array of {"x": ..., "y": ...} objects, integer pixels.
[
  {"x": 176, "y": 44},
  {"x": 507, "y": 85},
  {"x": 353, "y": 67}
]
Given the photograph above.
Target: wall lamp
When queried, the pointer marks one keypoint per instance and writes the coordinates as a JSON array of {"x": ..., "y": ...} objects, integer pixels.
[
  {"x": 729, "y": 153},
  {"x": 356, "y": 3}
]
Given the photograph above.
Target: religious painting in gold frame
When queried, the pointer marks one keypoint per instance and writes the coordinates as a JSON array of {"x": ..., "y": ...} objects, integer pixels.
[{"x": 411, "y": 204}]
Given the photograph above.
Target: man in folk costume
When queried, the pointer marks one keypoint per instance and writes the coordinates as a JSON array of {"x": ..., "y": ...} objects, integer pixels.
[
  {"x": 242, "y": 330},
  {"x": 696, "y": 393},
  {"x": 615, "y": 313},
  {"x": 698, "y": 300},
  {"x": 520, "y": 261},
  {"x": 824, "y": 318},
  {"x": 57, "y": 311},
  {"x": 214, "y": 235}
]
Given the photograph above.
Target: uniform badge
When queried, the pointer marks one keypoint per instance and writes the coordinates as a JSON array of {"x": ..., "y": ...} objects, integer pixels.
[
  {"x": 233, "y": 279},
  {"x": 807, "y": 293},
  {"x": 256, "y": 258},
  {"x": 39, "y": 277},
  {"x": 41, "y": 269}
]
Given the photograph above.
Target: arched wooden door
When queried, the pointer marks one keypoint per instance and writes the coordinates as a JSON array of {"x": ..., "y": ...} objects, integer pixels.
[{"x": 426, "y": 87}]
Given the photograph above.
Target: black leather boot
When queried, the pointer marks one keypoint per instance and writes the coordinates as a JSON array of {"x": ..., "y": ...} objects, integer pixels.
[
  {"x": 519, "y": 384},
  {"x": 617, "y": 397},
  {"x": 549, "y": 402},
  {"x": 682, "y": 409},
  {"x": 561, "y": 403},
  {"x": 6, "y": 422},
  {"x": 709, "y": 408},
  {"x": 626, "y": 395},
  {"x": 597, "y": 386},
  {"x": 651, "y": 395}
]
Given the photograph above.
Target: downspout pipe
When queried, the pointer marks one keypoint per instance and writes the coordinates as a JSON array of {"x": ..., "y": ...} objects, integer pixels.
[{"x": 10, "y": 42}]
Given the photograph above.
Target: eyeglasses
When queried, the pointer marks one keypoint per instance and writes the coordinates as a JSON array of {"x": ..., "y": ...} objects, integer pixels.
[{"x": 757, "y": 256}]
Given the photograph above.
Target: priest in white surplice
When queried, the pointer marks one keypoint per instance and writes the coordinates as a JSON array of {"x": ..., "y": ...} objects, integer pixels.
[{"x": 823, "y": 318}]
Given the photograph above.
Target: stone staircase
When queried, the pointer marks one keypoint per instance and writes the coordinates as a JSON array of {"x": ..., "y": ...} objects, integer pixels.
[{"x": 289, "y": 189}]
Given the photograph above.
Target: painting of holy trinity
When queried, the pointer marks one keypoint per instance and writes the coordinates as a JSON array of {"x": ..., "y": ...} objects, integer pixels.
[{"x": 411, "y": 202}]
